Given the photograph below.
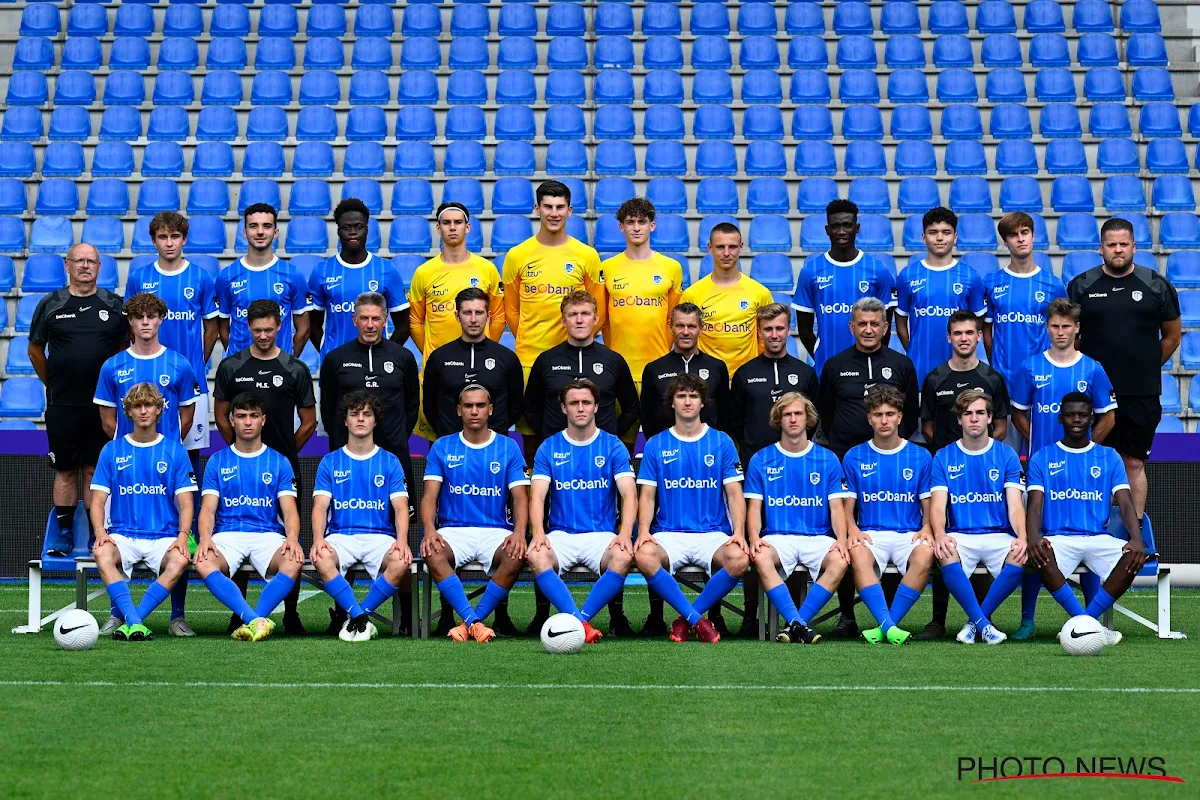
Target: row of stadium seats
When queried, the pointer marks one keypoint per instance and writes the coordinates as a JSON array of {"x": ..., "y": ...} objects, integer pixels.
[{"x": 569, "y": 19}]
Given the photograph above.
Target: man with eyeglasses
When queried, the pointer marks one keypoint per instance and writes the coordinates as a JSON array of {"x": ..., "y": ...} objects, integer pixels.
[{"x": 82, "y": 325}]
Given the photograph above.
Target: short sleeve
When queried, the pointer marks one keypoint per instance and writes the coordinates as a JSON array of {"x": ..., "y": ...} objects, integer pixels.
[
  {"x": 1020, "y": 393},
  {"x": 188, "y": 391},
  {"x": 731, "y": 467},
  {"x": 989, "y": 300},
  {"x": 106, "y": 387},
  {"x": 224, "y": 295},
  {"x": 284, "y": 477},
  {"x": 1012, "y": 470},
  {"x": 133, "y": 286},
  {"x": 887, "y": 286},
  {"x": 1118, "y": 479},
  {"x": 1000, "y": 400},
  {"x": 435, "y": 469},
  {"x": 37, "y": 327},
  {"x": 1035, "y": 474},
  {"x": 937, "y": 478},
  {"x": 299, "y": 298},
  {"x": 975, "y": 294},
  {"x": 182, "y": 477},
  {"x": 904, "y": 297},
  {"x": 648, "y": 474},
  {"x": 305, "y": 398},
  {"x": 1168, "y": 300},
  {"x": 393, "y": 287},
  {"x": 1100, "y": 389},
  {"x": 221, "y": 382},
  {"x": 212, "y": 481},
  {"x": 542, "y": 462},
  {"x": 835, "y": 480},
  {"x": 924, "y": 476},
  {"x": 514, "y": 473},
  {"x": 396, "y": 485},
  {"x": 103, "y": 475},
  {"x": 618, "y": 458},
  {"x": 802, "y": 296},
  {"x": 850, "y": 476},
  {"x": 316, "y": 287},
  {"x": 208, "y": 296},
  {"x": 753, "y": 490},
  {"x": 323, "y": 483},
  {"x": 928, "y": 398}
]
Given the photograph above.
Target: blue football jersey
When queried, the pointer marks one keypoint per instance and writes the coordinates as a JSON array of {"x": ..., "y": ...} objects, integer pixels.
[
  {"x": 142, "y": 480},
  {"x": 583, "y": 480},
  {"x": 334, "y": 286},
  {"x": 191, "y": 298},
  {"x": 248, "y": 488},
  {"x": 1016, "y": 308},
  {"x": 796, "y": 489},
  {"x": 360, "y": 490},
  {"x": 928, "y": 296},
  {"x": 476, "y": 480},
  {"x": 239, "y": 285},
  {"x": 828, "y": 289},
  {"x": 1078, "y": 486},
  {"x": 975, "y": 483},
  {"x": 689, "y": 476},
  {"x": 1039, "y": 386},
  {"x": 168, "y": 371},
  {"x": 888, "y": 486}
]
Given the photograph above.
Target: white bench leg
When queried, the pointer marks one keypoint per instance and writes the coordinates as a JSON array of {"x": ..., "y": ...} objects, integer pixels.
[
  {"x": 34, "y": 617},
  {"x": 1164, "y": 606}
]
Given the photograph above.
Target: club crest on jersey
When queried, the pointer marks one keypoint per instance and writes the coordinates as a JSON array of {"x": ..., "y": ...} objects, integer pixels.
[
  {"x": 814, "y": 478},
  {"x": 103, "y": 315},
  {"x": 388, "y": 367},
  {"x": 474, "y": 283},
  {"x": 703, "y": 373},
  {"x": 162, "y": 467},
  {"x": 379, "y": 481},
  {"x": 958, "y": 287},
  {"x": 568, "y": 267},
  {"x": 599, "y": 461},
  {"x": 994, "y": 474},
  {"x": 793, "y": 380},
  {"x": 744, "y": 305},
  {"x": 657, "y": 279},
  {"x": 1081, "y": 386},
  {"x": 164, "y": 380},
  {"x": 709, "y": 460},
  {"x": 1136, "y": 295},
  {"x": 598, "y": 369},
  {"x": 601, "y": 276},
  {"x": 863, "y": 286},
  {"x": 277, "y": 381},
  {"x": 495, "y": 467},
  {"x": 489, "y": 363},
  {"x": 907, "y": 473},
  {"x": 189, "y": 292},
  {"x": 886, "y": 372},
  {"x": 373, "y": 286},
  {"x": 1094, "y": 472},
  {"x": 1039, "y": 296},
  {"x": 266, "y": 476}
]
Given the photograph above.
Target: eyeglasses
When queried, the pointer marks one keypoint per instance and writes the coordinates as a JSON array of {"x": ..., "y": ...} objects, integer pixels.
[{"x": 85, "y": 262}]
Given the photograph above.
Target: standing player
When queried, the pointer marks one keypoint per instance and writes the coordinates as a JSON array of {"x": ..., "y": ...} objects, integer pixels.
[
  {"x": 285, "y": 387},
  {"x": 1130, "y": 323},
  {"x": 795, "y": 516},
  {"x": 830, "y": 283},
  {"x": 141, "y": 511},
  {"x": 977, "y": 516},
  {"x": 692, "y": 473},
  {"x": 248, "y": 513},
  {"x": 469, "y": 479},
  {"x": 360, "y": 517},
  {"x": 685, "y": 356},
  {"x": 336, "y": 282},
  {"x": 887, "y": 515},
  {"x": 582, "y": 471},
  {"x": 728, "y": 301},
  {"x": 261, "y": 275},
  {"x": 1072, "y": 485},
  {"x": 932, "y": 290},
  {"x": 74, "y": 331}
]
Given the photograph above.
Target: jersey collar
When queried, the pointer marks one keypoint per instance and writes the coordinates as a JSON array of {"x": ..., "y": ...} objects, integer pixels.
[
  {"x": 1036, "y": 270},
  {"x": 1055, "y": 364},
  {"x": 370, "y": 258},
  {"x": 986, "y": 449},
  {"x": 849, "y": 263},
  {"x": 463, "y": 439},
  {"x": 903, "y": 444},
  {"x": 274, "y": 260},
  {"x": 129, "y": 438},
  {"x": 162, "y": 349},
  {"x": 801, "y": 454},
  {"x": 951, "y": 265},
  {"x": 259, "y": 452},
  {"x": 696, "y": 438},
  {"x": 374, "y": 450},
  {"x": 1066, "y": 449},
  {"x": 158, "y": 268},
  {"x": 595, "y": 435}
]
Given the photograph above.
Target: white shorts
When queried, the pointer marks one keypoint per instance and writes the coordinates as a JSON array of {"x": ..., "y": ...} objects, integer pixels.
[
  {"x": 989, "y": 549},
  {"x": 367, "y": 549},
  {"x": 257, "y": 548},
  {"x": 691, "y": 549},
  {"x": 794, "y": 550},
  {"x": 135, "y": 550},
  {"x": 890, "y": 547},
  {"x": 574, "y": 549},
  {"x": 1098, "y": 553},
  {"x": 197, "y": 437},
  {"x": 474, "y": 544}
]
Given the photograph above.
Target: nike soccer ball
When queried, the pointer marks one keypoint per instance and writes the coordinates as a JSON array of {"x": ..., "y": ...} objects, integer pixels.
[
  {"x": 562, "y": 635},
  {"x": 1082, "y": 636},
  {"x": 76, "y": 630}
]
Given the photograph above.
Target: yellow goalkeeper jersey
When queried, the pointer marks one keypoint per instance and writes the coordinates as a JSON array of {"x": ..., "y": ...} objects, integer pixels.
[
  {"x": 641, "y": 295},
  {"x": 729, "y": 330},
  {"x": 435, "y": 284}
]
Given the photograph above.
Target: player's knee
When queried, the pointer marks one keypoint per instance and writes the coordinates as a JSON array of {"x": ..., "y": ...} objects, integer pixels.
[
  {"x": 648, "y": 560},
  {"x": 541, "y": 559},
  {"x": 834, "y": 567},
  {"x": 173, "y": 566},
  {"x": 921, "y": 557},
  {"x": 620, "y": 561},
  {"x": 764, "y": 559},
  {"x": 737, "y": 563}
]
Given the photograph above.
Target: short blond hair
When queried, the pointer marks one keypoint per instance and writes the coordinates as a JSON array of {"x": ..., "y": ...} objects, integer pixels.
[
  {"x": 142, "y": 394},
  {"x": 810, "y": 409},
  {"x": 577, "y": 297},
  {"x": 770, "y": 311}
]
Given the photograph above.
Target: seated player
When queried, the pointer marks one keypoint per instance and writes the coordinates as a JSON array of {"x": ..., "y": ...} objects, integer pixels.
[
  {"x": 581, "y": 470},
  {"x": 692, "y": 472},
  {"x": 977, "y": 516},
  {"x": 887, "y": 514},
  {"x": 248, "y": 513},
  {"x": 469, "y": 479},
  {"x": 360, "y": 517},
  {"x": 795, "y": 516},
  {"x": 1072, "y": 484},
  {"x": 141, "y": 510}
]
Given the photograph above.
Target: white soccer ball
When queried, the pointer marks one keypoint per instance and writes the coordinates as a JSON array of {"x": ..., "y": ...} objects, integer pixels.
[
  {"x": 562, "y": 635},
  {"x": 76, "y": 630},
  {"x": 1082, "y": 636}
]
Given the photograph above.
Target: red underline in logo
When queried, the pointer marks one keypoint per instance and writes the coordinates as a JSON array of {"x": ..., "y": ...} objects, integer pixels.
[{"x": 1125, "y": 775}]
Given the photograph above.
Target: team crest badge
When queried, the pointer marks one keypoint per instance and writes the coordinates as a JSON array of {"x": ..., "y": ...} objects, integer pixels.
[
  {"x": 598, "y": 369},
  {"x": 379, "y": 481},
  {"x": 489, "y": 363},
  {"x": 278, "y": 288},
  {"x": 958, "y": 287},
  {"x": 189, "y": 292},
  {"x": 1081, "y": 386},
  {"x": 599, "y": 461},
  {"x": 709, "y": 460},
  {"x": 814, "y": 478},
  {"x": 1095, "y": 471},
  {"x": 373, "y": 286},
  {"x": 994, "y": 474},
  {"x": 703, "y": 373},
  {"x": 601, "y": 276},
  {"x": 569, "y": 267},
  {"x": 277, "y": 381},
  {"x": 388, "y": 367},
  {"x": 164, "y": 380},
  {"x": 886, "y": 372},
  {"x": 908, "y": 474},
  {"x": 474, "y": 283},
  {"x": 657, "y": 279},
  {"x": 744, "y": 305},
  {"x": 863, "y": 286},
  {"x": 266, "y": 478},
  {"x": 1039, "y": 296},
  {"x": 495, "y": 467},
  {"x": 103, "y": 315},
  {"x": 793, "y": 380},
  {"x": 1136, "y": 295},
  {"x": 162, "y": 467}
]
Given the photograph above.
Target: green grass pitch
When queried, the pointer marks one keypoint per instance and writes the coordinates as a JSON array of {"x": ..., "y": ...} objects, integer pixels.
[{"x": 210, "y": 717}]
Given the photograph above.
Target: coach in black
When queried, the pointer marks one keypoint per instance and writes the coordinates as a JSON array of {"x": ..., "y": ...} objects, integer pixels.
[
  {"x": 963, "y": 372},
  {"x": 685, "y": 357},
  {"x": 83, "y": 325},
  {"x": 472, "y": 358},
  {"x": 1129, "y": 321}
]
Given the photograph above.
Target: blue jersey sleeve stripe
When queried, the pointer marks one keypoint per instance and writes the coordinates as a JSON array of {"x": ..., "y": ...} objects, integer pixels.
[
  {"x": 647, "y": 482},
  {"x": 939, "y": 488},
  {"x": 322, "y": 493},
  {"x": 732, "y": 479},
  {"x": 1017, "y": 405},
  {"x": 394, "y": 495},
  {"x": 211, "y": 493},
  {"x": 899, "y": 310},
  {"x": 214, "y": 314},
  {"x": 923, "y": 495},
  {"x": 625, "y": 474},
  {"x": 1035, "y": 487},
  {"x": 1119, "y": 487},
  {"x": 287, "y": 493},
  {"x": 799, "y": 307},
  {"x": 752, "y": 496},
  {"x": 1107, "y": 408},
  {"x": 544, "y": 478},
  {"x": 189, "y": 401},
  {"x": 185, "y": 489},
  {"x": 104, "y": 403},
  {"x": 100, "y": 487},
  {"x": 437, "y": 478},
  {"x": 1013, "y": 485}
]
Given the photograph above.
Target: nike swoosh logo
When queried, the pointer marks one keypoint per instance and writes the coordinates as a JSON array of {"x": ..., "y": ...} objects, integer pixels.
[
  {"x": 960, "y": 385},
  {"x": 470, "y": 376},
  {"x": 1118, "y": 288},
  {"x": 264, "y": 372},
  {"x": 77, "y": 627},
  {"x": 341, "y": 480},
  {"x": 1040, "y": 385},
  {"x": 956, "y": 477},
  {"x": 868, "y": 474},
  {"x": 370, "y": 378},
  {"x": 550, "y": 634},
  {"x": 81, "y": 310},
  {"x": 227, "y": 478},
  {"x": 1074, "y": 634},
  {"x": 1056, "y": 472},
  {"x": 454, "y": 466},
  {"x": 670, "y": 460},
  {"x": 125, "y": 380},
  {"x": 560, "y": 463},
  {"x": 772, "y": 478},
  {"x": 124, "y": 467}
]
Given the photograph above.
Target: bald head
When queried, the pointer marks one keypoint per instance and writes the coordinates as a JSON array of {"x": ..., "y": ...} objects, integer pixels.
[{"x": 83, "y": 268}]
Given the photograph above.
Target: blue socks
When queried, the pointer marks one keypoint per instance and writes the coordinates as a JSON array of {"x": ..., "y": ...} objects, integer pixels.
[
  {"x": 876, "y": 603},
  {"x": 452, "y": 589},
  {"x": 1102, "y": 602},
  {"x": 343, "y": 594},
  {"x": 782, "y": 599},
  {"x": 273, "y": 594},
  {"x": 960, "y": 586},
  {"x": 122, "y": 601},
  {"x": 1090, "y": 583},
  {"x": 720, "y": 584},
  {"x": 817, "y": 597},
  {"x": 1065, "y": 596},
  {"x": 493, "y": 595},
  {"x": 151, "y": 600},
  {"x": 1031, "y": 584},
  {"x": 228, "y": 593},
  {"x": 378, "y": 594},
  {"x": 663, "y": 585},
  {"x": 903, "y": 601},
  {"x": 1006, "y": 583},
  {"x": 556, "y": 592},
  {"x": 178, "y": 595},
  {"x": 608, "y": 587}
]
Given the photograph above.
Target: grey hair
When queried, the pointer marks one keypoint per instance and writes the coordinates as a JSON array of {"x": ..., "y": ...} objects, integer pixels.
[
  {"x": 866, "y": 305},
  {"x": 370, "y": 299}
]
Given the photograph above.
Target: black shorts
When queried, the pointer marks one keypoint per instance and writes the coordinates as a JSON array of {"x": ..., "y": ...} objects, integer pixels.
[
  {"x": 1137, "y": 416},
  {"x": 75, "y": 436}
]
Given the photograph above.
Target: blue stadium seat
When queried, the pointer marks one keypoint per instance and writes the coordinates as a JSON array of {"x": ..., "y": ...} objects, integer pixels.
[
  {"x": 43, "y": 273},
  {"x": 1072, "y": 193},
  {"x": 612, "y": 19},
  {"x": 1170, "y": 400},
  {"x": 267, "y": 124},
  {"x": 762, "y": 122},
  {"x": 215, "y": 159},
  {"x": 418, "y": 20},
  {"x": 1049, "y": 50},
  {"x": 467, "y": 191},
  {"x": 263, "y": 190},
  {"x": 614, "y": 52},
  {"x": 562, "y": 158},
  {"x": 870, "y": 195},
  {"x": 671, "y": 233},
  {"x": 521, "y": 20},
  {"x": 952, "y": 50},
  {"x": 1162, "y": 156},
  {"x": 1055, "y": 85},
  {"x": 983, "y": 263},
  {"x": 947, "y": 16},
  {"x": 311, "y": 197},
  {"x": 463, "y": 158},
  {"x": 669, "y": 195},
  {"x": 25, "y": 309},
  {"x": 1158, "y": 120},
  {"x": 175, "y": 89},
  {"x": 810, "y": 86},
  {"x": 814, "y": 157},
  {"x": 917, "y": 157},
  {"x": 1061, "y": 121},
  {"x": 17, "y": 362},
  {"x": 183, "y": 20},
  {"x": 1017, "y": 157},
  {"x": 565, "y": 52},
  {"x": 865, "y": 158},
  {"x": 908, "y": 86},
  {"x": 12, "y": 197},
  {"x": 122, "y": 123},
  {"x": 321, "y": 52},
  {"x": 1141, "y": 237},
  {"x": 319, "y": 123},
  {"x": 856, "y": 52},
  {"x": 108, "y": 196},
  {"x": 1091, "y": 16},
  {"x": 37, "y": 53},
  {"x": 912, "y": 122},
  {"x": 564, "y": 87},
  {"x": 612, "y": 192},
  {"x": 281, "y": 20},
  {"x": 976, "y": 232},
  {"x": 306, "y": 235},
  {"x": 1011, "y": 121},
  {"x": 17, "y": 160},
  {"x": 227, "y": 21},
  {"x": 421, "y": 52},
  {"x": 918, "y": 194},
  {"x": 713, "y": 122},
  {"x": 74, "y": 88},
  {"x": 618, "y": 158},
  {"x": 12, "y": 235},
  {"x": 773, "y": 270},
  {"x": 764, "y": 196},
  {"x": 1077, "y": 262},
  {"x": 371, "y": 52},
  {"x": 1101, "y": 83},
  {"x": 717, "y": 195},
  {"x": 1170, "y": 424},
  {"x": 87, "y": 20},
  {"x": 1001, "y": 50},
  {"x": 516, "y": 87},
  {"x": 708, "y": 87},
  {"x": 142, "y": 243},
  {"x": 79, "y": 52},
  {"x": 1125, "y": 193},
  {"x": 321, "y": 88},
  {"x": 963, "y": 122},
  {"x": 1140, "y": 16},
  {"x": 1078, "y": 231},
  {"x": 1021, "y": 193},
  {"x": 903, "y": 50},
  {"x": 315, "y": 159},
  {"x": 812, "y": 122},
  {"x": 995, "y": 16},
  {"x": 970, "y": 193},
  {"x": 615, "y": 87},
  {"x": 40, "y": 19},
  {"x": 1183, "y": 271},
  {"x": 965, "y": 158},
  {"x": 511, "y": 123},
  {"x": 1189, "y": 306},
  {"x": 158, "y": 194},
  {"x": 865, "y": 122},
  {"x": 1004, "y": 85},
  {"x": 566, "y": 19},
  {"x": 705, "y": 232},
  {"x": 957, "y": 85},
  {"x": 762, "y": 87},
  {"x": 770, "y": 233},
  {"x": 512, "y": 195},
  {"x": 1152, "y": 83},
  {"x": 176, "y": 52},
  {"x": 800, "y": 19},
  {"x": 220, "y": 88},
  {"x": 566, "y": 122},
  {"x": 1146, "y": 50},
  {"x": 508, "y": 232},
  {"x": 814, "y": 194},
  {"x": 57, "y": 196},
  {"x": 899, "y": 17},
  {"x": 70, "y": 124},
  {"x": 849, "y": 18},
  {"x": 1097, "y": 49},
  {"x": 29, "y": 88},
  {"x": 206, "y": 235},
  {"x": 713, "y": 157},
  {"x": 51, "y": 235},
  {"x": 662, "y": 158},
  {"x": 369, "y": 124},
  {"x": 515, "y": 52},
  {"x": 661, "y": 52},
  {"x": 22, "y": 397},
  {"x": 858, "y": 86},
  {"x": 228, "y": 53},
  {"x": 1172, "y": 193},
  {"x": 324, "y": 20},
  {"x": 807, "y": 52},
  {"x": 468, "y": 88},
  {"x": 412, "y": 196},
  {"x": 875, "y": 232},
  {"x": 208, "y": 197},
  {"x": 1066, "y": 157},
  {"x": 813, "y": 238},
  {"x": 608, "y": 234}
]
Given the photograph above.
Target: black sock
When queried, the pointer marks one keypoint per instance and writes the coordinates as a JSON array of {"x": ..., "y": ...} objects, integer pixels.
[
  {"x": 846, "y": 596},
  {"x": 616, "y": 606},
  {"x": 656, "y": 607},
  {"x": 890, "y": 584},
  {"x": 242, "y": 581},
  {"x": 405, "y": 599},
  {"x": 941, "y": 599},
  {"x": 541, "y": 603},
  {"x": 290, "y": 602},
  {"x": 501, "y": 612},
  {"x": 750, "y": 592},
  {"x": 65, "y": 516},
  {"x": 981, "y": 584}
]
